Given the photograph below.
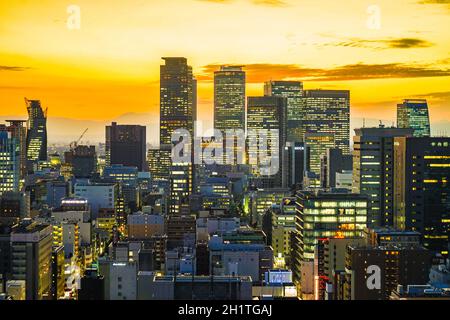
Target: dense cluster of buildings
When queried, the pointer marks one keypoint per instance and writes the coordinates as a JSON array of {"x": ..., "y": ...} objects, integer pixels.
[{"x": 293, "y": 210}]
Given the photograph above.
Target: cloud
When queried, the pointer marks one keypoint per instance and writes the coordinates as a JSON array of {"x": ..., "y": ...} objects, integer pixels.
[
  {"x": 271, "y": 3},
  {"x": 13, "y": 68},
  {"x": 434, "y": 2},
  {"x": 440, "y": 96},
  {"x": 443, "y": 3},
  {"x": 258, "y": 73},
  {"x": 382, "y": 44}
]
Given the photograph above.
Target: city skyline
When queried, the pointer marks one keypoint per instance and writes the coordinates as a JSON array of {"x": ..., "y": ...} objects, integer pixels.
[
  {"x": 325, "y": 177},
  {"x": 109, "y": 68}
]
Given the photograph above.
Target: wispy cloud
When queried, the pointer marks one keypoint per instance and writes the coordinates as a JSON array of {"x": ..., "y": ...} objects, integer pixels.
[
  {"x": 13, "y": 68},
  {"x": 271, "y": 3},
  {"x": 434, "y": 2},
  {"x": 258, "y": 73},
  {"x": 382, "y": 44},
  {"x": 442, "y": 96}
]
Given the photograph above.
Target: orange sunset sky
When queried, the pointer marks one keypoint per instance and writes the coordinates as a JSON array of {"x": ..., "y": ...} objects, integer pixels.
[{"x": 109, "y": 68}]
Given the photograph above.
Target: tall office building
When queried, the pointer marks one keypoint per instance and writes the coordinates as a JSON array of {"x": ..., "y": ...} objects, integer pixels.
[
  {"x": 176, "y": 98},
  {"x": 317, "y": 145},
  {"x": 326, "y": 215},
  {"x": 323, "y": 215},
  {"x": 177, "y": 111},
  {"x": 293, "y": 91},
  {"x": 19, "y": 131},
  {"x": 9, "y": 161},
  {"x": 373, "y": 170},
  {"x": 159, "y": 166},
  {"x": 422, "y": 190},
  {"x": 126, "y": 144},
  {"x": 31, "y": 249},
  {"x": 328, "y": 112},
  {"x": 37, "y": 133},
  {"x": 414, "y": 114},
  {"x": 229, "y": 98},
  {"x": 266, "y": 118}
]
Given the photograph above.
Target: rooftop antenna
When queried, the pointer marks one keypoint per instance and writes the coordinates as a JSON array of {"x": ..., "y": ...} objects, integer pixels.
[{"x": 364, "y": 122}]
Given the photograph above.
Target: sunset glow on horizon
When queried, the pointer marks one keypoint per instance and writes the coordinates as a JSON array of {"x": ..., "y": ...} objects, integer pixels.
[{"x": 110, "y": 66}]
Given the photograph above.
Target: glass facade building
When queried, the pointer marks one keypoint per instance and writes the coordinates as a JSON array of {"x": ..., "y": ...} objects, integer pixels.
[
  {"x": 414, "y": 114},
  {"x": 37, "y": 133},
  {"x": 317, "y": 145},
  {"x": 229, "y": 98},
  {"x": 176, "y": 98},
  {"x": 328, "y": 111},
  {"x": 266, "y": 121},
  {"x": 9, "y": 162},
  {"x": 326, "y": 215},
  {"x": 293, "y": 91},
  {"x": 177, "y": 111}
]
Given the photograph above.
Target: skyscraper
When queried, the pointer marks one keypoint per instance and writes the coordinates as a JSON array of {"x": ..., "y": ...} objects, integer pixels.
[
  {"x": 293, "y": 91},
  {"x": 176, "y": 98},
  {"x": 328, "y": 111},
  {"x": 266, "y": 117},
  {"x": 414, "y": 114},
  {"x": 373, "y": 170},
  {"x": 421, "y": 197},
  {"x": 229, "y": 98},
  {"x": 177, "y": 111},
  {"x": 37, "y": 133},
  {"x": 317, "y": 145},
  {"x": 9, "y": 161},
  {"x": 19, "y": 131},
  {"x": 126, "y": 144}
]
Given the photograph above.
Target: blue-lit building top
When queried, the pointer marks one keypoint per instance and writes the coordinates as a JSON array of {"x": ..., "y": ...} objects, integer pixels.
[{"x": 414, "y": 114}]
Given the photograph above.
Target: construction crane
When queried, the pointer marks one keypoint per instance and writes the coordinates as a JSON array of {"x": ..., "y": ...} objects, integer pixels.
[{"x": 74, "y": 144}]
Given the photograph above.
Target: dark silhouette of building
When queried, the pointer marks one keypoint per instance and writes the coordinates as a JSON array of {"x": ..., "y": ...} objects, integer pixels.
[
  {"x": 373, "y": 170},
  {"x": 421, "y": 189},
  {"x": 83, "y": 160},
  {"x": 92, "y": 286},
  {"x": 331, "y": 163},
  {"x": 202, "y": 258},
  {"x": 126, "y": 144},
  {"x": 5, "y": 253},
  {"x": 295, "y": 163},
  {"x": 397, "y": 265}
]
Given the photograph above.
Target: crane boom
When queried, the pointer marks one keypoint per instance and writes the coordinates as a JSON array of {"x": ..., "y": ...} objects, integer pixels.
[{"x": 74, "y": 144}]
